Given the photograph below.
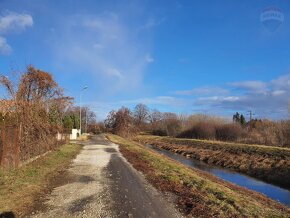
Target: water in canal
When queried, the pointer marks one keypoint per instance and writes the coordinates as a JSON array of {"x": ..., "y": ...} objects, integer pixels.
[{"x": 272, "y": 191}]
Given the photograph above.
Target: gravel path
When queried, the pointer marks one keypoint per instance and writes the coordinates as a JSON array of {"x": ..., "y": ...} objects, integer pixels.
[{"x": 101, "y": 183}]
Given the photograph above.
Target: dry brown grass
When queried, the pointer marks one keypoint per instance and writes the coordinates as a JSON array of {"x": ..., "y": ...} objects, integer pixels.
[
  {"x": 199, "y": 194},
  {"x": 268, "y": 163}
]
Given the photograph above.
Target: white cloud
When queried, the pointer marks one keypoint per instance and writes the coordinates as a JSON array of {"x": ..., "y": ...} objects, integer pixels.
[
  {"x": 216, "y": 100},
  {"x": 231, "y": 98},
  {"x": 270, "y": 104},
  {"x": 5, "y": 49},
  {"x": 267, "y": 99},
  {"x": 252, "y": 86},
  {"x": 282, "y": 82},
  {"x": 205, "y": 90},
  {"x": 278, "y": 92},
  {"x": 14, "y": 22}
]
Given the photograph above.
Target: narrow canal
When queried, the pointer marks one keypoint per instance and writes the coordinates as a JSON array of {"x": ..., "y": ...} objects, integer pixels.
[{"x": 274, "y": 192}]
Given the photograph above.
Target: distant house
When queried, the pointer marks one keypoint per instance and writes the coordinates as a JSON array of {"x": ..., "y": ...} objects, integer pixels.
[{"x": 6, "y": 106}]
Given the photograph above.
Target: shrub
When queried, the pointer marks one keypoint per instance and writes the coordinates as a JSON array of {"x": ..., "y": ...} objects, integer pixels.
[
  {"x": 229, "y": 132},
  {"x": 159, "y": 132},
  {"x": 202, "y": 130},
  {"x": 282, "y": 131},
  {"x": 35, "y": 105},
  {"x": 171, "y": 124}
]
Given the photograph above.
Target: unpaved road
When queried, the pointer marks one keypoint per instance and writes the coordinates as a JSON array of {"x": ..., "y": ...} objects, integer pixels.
[{"x": 101, "y": 183}]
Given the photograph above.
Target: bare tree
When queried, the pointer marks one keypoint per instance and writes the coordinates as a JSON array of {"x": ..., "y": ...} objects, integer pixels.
[
  {"x": 141, "y": 113},
  {"x": 155, "y": 123},
  {"x": 120, "y": 122},
  {"x": 155, "y": 116},
  {"x": 110, "y": 121},
  {"x": 171, "y": 123}
]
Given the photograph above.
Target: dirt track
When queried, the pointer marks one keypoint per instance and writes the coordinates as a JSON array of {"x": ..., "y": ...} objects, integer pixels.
[{"x": 101, "y": 183}]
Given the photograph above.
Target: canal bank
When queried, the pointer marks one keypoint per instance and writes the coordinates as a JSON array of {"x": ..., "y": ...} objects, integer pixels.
[
  {"x": 197, "y": 193},
  {"x": 274, "y": 192}
]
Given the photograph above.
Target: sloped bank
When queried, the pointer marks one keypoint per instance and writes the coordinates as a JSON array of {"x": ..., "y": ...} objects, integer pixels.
[
  {"x": 267, "y": 163},
  {"x": 198, "y": 194}
]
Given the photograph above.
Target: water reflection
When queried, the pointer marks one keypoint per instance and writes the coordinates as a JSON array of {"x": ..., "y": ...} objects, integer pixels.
[{"x": 272, "y": 191}]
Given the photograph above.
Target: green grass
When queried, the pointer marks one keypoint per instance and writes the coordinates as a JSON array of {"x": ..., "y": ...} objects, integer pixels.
[
  {"x": 217, "y": 197},
  {"x": 19, "y": 187}
]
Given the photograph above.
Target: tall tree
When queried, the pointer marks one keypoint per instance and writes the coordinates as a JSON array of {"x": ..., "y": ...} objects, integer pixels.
[
  {"x": 120, "y": 122},
  {"x": 155, "y": 116},
  {"x": 239, "y": 118},
  {"x": 243, "y": 120},
  {"x": 141, "y": 113},
  {"x": 236, "y": 117}
]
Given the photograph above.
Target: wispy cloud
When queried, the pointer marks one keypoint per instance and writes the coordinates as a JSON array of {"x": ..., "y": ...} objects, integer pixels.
[
  {"x": 149, "y": 58},
  {"x": 268, "y": 99},
  {"x": 272, "y": 103},
  {"x": 152, "y": 22},
  {"x": 252, "y": 86},
  {"x": 105, "y": 47},
  {"x": 282, "y": 82},
  {"x": 5, "y": 49},
  {"x": 156, "y": 101},
  {"x": 202, "y": 91},
  {"x": 12, "y": 22},
  {"x": 215, "y": 100}
]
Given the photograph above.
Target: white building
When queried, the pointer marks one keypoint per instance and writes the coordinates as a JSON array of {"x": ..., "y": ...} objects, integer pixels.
[{"x": 75, "y": 133}]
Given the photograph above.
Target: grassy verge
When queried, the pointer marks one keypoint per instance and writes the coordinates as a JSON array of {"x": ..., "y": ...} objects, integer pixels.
[
  {"x": 20, "y": 188},
  {"x": 199, "y": 194},
  {"x": 268, "y": 163}
]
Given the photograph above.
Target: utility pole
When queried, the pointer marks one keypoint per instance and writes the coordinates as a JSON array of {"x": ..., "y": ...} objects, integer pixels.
[
  {"x": 251, "y": 114},
  {"x": 86, "y": 120},
  {"x": 84, "y": 88},
  {"x": 289, "y": 107}
]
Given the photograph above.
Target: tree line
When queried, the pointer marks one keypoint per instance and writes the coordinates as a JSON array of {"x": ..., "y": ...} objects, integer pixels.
[{"x": 127, "y": 123}]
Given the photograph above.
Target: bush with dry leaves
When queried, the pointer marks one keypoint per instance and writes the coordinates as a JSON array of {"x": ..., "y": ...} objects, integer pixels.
[{"x": 39, "y": 105}]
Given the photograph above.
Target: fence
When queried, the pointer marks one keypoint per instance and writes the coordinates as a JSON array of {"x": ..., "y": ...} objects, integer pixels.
[{"x": 14, "y": 150}]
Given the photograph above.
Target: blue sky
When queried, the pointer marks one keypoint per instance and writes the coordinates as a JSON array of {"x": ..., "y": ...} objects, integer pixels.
[{"x": 199, "y": 56}]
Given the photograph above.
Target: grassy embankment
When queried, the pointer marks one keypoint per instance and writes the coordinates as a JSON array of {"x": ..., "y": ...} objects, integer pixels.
[
  {"x": 268, "y": 163},
  {"x": 199, "y": 194},
  {"x": 21, "y": 188}
]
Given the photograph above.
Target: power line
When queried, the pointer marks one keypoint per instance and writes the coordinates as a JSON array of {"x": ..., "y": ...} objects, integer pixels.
[{"x": 251, "y": 114}]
